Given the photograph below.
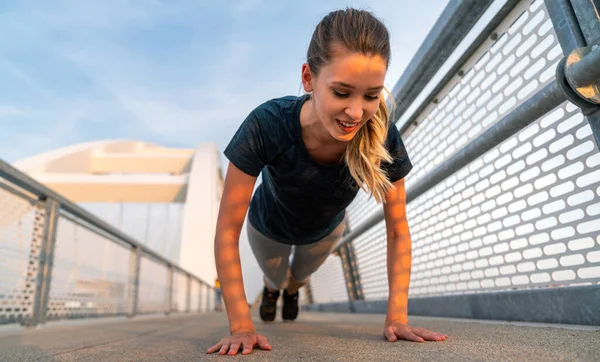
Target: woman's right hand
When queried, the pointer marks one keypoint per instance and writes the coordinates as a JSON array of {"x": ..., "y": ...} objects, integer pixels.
[{"x": 246, "y": 340}]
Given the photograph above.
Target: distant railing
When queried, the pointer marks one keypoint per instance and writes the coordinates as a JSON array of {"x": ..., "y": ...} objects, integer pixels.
[
  {"x": 59, "y": 261},
  {"x": 505, "y": 190}
]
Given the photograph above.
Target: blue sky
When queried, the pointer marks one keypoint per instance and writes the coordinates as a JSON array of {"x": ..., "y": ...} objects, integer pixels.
[{"x": 177, "y": 73}]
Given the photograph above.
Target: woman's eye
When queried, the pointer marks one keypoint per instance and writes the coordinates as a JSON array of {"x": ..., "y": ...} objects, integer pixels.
[
  {"x": 372, "y": 98},
  {"x": 341, "y": 95}
]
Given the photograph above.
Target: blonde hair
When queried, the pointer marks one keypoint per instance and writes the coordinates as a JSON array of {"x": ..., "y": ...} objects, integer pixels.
[
  {"x": 366, "y": 151},
  {"x": 361, "y": 32}
]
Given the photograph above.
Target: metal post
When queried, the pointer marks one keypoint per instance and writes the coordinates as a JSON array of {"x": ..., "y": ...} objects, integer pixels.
[
  {"x": 208, "y": 296},
  {"x": 577, "y": 26},
  {"x": 309, "y": 294},
  {"x": 200, "y": 295},
  {"x": 588, "y": 16},
  {"x": 135, "y": 259},
  {"x": 169, "y": 290},
  {"x": 41, "y": 259},
  {"x": 565, "y": 25},
  {"x": 188, "y": 295},
  {"x": 351, "y": 274}
]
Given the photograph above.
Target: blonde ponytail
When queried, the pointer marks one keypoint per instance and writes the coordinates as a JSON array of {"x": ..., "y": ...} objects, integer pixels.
[
  {"x": 361, "y": 32},
  {"x": 367, "y": 150}
]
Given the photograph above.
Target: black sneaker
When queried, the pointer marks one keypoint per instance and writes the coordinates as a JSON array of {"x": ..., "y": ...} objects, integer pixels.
[
  {"x": 268, "y": 306},
  {"x": 289, "y": 311}
]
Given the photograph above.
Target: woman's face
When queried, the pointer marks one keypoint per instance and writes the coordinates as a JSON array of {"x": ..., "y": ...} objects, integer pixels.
[{"x": 346, "y": 91}]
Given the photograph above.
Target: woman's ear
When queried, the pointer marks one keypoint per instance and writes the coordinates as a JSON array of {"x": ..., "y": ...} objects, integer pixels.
[{"x": 307, "y": 78}]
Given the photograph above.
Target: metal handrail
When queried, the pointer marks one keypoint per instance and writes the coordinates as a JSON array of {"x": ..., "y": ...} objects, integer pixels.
[
  {"x": 43, "y": 193},
  {"x": 55, "y": 205},
  {"x": 535, "y": 107},
  {"x": 459, "y": 16},
  {"x": 586, "y": 71},
  {"x": 444, "y": 49}
]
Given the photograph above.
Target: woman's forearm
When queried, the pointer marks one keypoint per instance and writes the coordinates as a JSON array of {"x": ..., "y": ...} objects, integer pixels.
[
  {"x": 399, "y": 249},
  {"x": 237, "y": 192},
  {"x": 399, "y": 268},
  {"x": 229, "y": 270}
]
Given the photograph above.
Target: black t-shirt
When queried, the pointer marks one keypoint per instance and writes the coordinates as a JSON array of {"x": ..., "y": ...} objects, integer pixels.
[{"x": 299, "y": 200}]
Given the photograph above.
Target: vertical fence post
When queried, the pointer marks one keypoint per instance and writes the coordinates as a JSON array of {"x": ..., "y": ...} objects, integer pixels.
[
  {"x": 200, "y": 295},
  {"x": 578, "y": 29},
  {"x": 351, "y": 274},
  {"x": 169, "y": 290},
  {"x": 135, "y": 259},
  {"x": 309, "y": 294},
  {"x": 41, "y": 260},
  {"x": 188, "y": 295},
  {"x": 565, "y": 25},
  {"x": 208, "y": 295},
  {"x": 589, "y": 19}
]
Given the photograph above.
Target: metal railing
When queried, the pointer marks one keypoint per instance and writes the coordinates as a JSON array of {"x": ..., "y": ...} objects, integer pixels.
[
  {"x": 51, "y": 266},
  {"x": 505, "y": 193}
]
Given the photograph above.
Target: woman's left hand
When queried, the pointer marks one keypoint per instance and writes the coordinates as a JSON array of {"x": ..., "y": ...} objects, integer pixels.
[{"x": 394, "y": 330}]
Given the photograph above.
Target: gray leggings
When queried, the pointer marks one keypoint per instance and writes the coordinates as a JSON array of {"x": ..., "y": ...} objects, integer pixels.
[{"x": 274, "y": 257}]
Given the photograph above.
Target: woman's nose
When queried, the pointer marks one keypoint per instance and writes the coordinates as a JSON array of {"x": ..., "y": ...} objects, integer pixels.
[{"x": 355, "y": 111}]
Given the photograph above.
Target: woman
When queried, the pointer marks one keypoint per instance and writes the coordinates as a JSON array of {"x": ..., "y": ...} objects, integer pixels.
[{"x": 315, "y": 152}]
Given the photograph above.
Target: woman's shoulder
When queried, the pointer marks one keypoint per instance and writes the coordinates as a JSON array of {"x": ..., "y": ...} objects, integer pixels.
[
  {"x": 278, "y": 115},
  {"x": 280, "y": 107}
]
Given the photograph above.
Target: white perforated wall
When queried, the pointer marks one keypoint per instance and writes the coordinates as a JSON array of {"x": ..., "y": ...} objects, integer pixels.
[
  {"x": 327, "y": 283},
  {"x": 19, "y": 226},
  {"x": 525, "y": 214}
]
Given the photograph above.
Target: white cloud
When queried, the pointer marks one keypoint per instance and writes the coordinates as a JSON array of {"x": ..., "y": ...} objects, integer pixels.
[{"x": 173, "y": 73}]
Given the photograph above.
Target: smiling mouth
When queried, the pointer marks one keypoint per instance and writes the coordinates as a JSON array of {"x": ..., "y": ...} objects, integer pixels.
[{"x": 346, "y": 126}]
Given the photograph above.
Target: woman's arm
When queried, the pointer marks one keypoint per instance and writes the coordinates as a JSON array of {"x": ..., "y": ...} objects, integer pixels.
[
  {"x": 399, "y": 252},
  {"x": 237, "y": 192},
  {"x": 399, "y": 260}
]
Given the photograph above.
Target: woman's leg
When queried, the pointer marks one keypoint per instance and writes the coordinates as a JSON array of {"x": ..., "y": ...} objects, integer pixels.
[
  {"x": 306, "y": 260},
  {"x": 273, "y": 259}
]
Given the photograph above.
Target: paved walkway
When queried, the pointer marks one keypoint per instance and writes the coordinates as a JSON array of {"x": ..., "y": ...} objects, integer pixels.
[{"x": 314, "y": 337}]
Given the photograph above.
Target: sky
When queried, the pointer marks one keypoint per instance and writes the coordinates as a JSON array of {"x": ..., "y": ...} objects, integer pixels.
[{"x": 176, "y": 73}]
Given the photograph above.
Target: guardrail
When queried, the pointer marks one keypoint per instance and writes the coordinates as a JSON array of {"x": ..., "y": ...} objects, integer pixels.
[
  {"x": 504, "y": 198},
  {"x": 51, "y": 267}
]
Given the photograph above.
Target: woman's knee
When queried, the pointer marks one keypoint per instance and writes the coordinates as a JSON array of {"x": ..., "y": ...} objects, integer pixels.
[{"x": 275, "y": 282}]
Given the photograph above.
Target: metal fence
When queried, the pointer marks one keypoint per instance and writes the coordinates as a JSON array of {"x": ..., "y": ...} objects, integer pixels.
[
  {"x": 53, "y": 264},
  {"x": 505, "y": 190}
]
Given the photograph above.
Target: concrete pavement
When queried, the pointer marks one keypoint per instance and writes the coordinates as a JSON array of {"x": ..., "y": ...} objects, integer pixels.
[{"x": 313, "y": 337}]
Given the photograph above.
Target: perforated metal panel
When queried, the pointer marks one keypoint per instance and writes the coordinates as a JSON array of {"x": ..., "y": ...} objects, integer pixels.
[
  {"x": 202, "y": 304},
  {"x": 195, "y": 296},
  {"x": 154, "y": 289},
  {"x": 524, "y": 215},
  {"x": 328, "y": 283},
  {"x": 89, "y": 276},
  {"x": 18, "y": 225},
  {"x": 179, "y": 292},
  {"x": 498, "y": 78},
  {"x": 210, "y": 299},
  {"x": 361, "y": 208},
  {"x": 371, "y": 256}
]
